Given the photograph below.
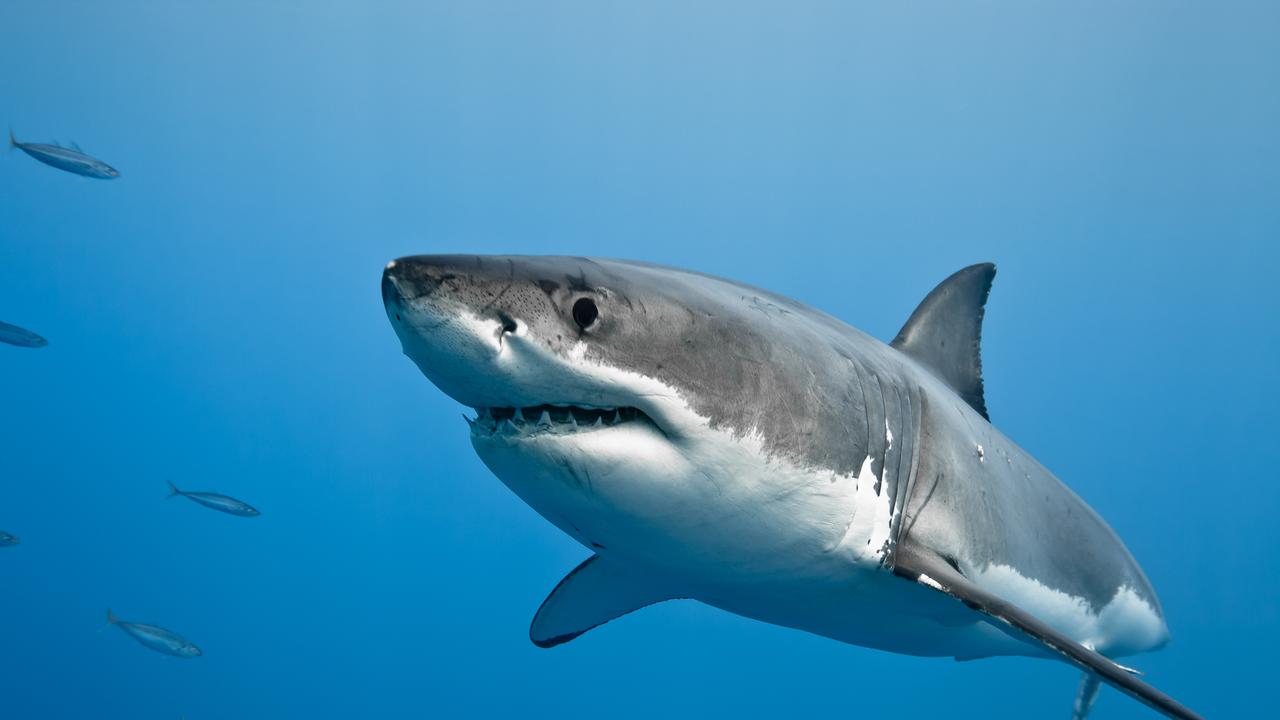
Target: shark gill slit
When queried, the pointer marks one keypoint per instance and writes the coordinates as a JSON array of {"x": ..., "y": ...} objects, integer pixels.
[
  {"x": 913, "y": 420},
  {"x": 865, "y": 449}
]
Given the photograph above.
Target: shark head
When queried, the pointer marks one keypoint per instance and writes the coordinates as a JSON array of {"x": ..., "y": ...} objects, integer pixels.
[
  {"x": 518, "y": 336},
  {"x": 603, "y": 390}
]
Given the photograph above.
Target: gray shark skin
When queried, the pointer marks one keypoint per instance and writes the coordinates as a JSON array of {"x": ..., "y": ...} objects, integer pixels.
[
  {"x": 72, "y": 161},
  {"x": 715, "y": 441},
  {"x": 156, "y": 638},
  {"x": 216, "y": 501},
  {"x": 20, "y": 337}
]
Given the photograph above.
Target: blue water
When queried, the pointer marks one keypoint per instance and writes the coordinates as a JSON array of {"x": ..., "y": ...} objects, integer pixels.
[{"x": 214, "y": 319}]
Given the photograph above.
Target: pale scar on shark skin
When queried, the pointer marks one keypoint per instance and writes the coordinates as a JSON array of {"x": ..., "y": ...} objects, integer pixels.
[{"x": 714, "y": 441}]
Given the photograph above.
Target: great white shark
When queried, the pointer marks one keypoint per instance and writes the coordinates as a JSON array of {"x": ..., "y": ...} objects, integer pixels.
[{"x": 710, "y": 440}]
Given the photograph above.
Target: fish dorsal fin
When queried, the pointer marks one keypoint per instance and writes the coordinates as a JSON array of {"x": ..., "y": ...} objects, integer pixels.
[
  {"x": 596, "y": 592},
  {"x": 944, "y": 332},
  {"x": 76, "y": 146}
]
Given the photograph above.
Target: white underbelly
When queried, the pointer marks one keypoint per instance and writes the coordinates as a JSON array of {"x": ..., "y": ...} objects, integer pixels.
[
  {"x": 883, "y": 612},
  {"x": 751, "y": 534}
]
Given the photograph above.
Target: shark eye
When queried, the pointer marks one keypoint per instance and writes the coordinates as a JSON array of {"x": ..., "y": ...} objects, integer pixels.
[{"x": 585, "y": 312}]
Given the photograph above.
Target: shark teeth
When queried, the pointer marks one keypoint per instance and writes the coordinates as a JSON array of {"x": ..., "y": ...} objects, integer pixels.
[{"x": 554, "y": 419}]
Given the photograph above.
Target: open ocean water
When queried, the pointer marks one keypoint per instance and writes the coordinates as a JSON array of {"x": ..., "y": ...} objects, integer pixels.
[{"x": 214, "y": 320}]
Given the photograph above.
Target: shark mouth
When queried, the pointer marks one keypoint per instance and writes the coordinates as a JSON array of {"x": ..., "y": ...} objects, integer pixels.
[{"x": 551, "y": 419}]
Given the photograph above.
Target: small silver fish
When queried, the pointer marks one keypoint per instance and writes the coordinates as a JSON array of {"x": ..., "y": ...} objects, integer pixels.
[
  {"x": 7, "y": 540},
  {"x": 222, "y": 503},
  {"x": 73, "y": 161},
  {"x": 22, "y": 337},
  {"x": 156, "y": 638}
]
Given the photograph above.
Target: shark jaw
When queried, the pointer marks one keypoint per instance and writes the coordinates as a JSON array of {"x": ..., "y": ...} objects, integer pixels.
[
  {"x": 582, "y": 468},
  {"x": 602, "y": 453},
  {"x": 555, "y": 420}
]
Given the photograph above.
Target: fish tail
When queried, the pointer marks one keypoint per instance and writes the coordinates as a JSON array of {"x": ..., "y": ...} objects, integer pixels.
[
  {"x": 111, "y": 620},
  {"x": 173, "y": 489},
  {"x": 13, "y": 141}
]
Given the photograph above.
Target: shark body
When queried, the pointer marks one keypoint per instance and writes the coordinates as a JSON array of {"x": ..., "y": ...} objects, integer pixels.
[{"x": 711, "y": 440}]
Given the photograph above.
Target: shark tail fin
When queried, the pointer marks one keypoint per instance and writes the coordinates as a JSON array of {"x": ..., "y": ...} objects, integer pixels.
[
  {"x": 173, "y": 490},
  {"x": 13, "y": 141},
  {"x": 111, "y": 620}
]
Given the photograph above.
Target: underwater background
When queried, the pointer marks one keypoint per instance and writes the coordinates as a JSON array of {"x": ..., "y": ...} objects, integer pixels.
[{"x": 214, "y": 320}]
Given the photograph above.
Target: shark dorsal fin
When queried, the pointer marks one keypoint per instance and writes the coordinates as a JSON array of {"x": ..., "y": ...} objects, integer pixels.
[{"x": 944, "y": 332}]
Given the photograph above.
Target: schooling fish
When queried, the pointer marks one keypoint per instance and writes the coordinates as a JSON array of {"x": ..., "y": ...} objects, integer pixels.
[
  {"x": 73, "y": 161},
  {"x": 7, "y": 540},
  {"x": 228, "y": 505},
  {"x": 156, "y": 638},
  {"x": 14, "y": 335}
]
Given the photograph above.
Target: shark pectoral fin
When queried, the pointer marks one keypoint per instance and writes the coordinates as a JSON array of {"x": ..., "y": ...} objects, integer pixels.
[
  {"x": 945, "y": 331},
  {"x": 931, "y": 570},
  {"x": 596, "y": 592},
  {"x": 1086, "y": 694}
]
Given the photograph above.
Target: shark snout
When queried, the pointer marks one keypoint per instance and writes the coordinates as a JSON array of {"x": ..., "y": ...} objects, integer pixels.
[
  {"x": 449, "y": 316},
  {"x": 411, "y": 277},
  {"x": 416, "y": 286},
  {"x": 449, "y": 283},
  {"x": 391, "y": 297},
  {"x": 405, "y": 279},
  {"x": 464, "y": 286}
]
